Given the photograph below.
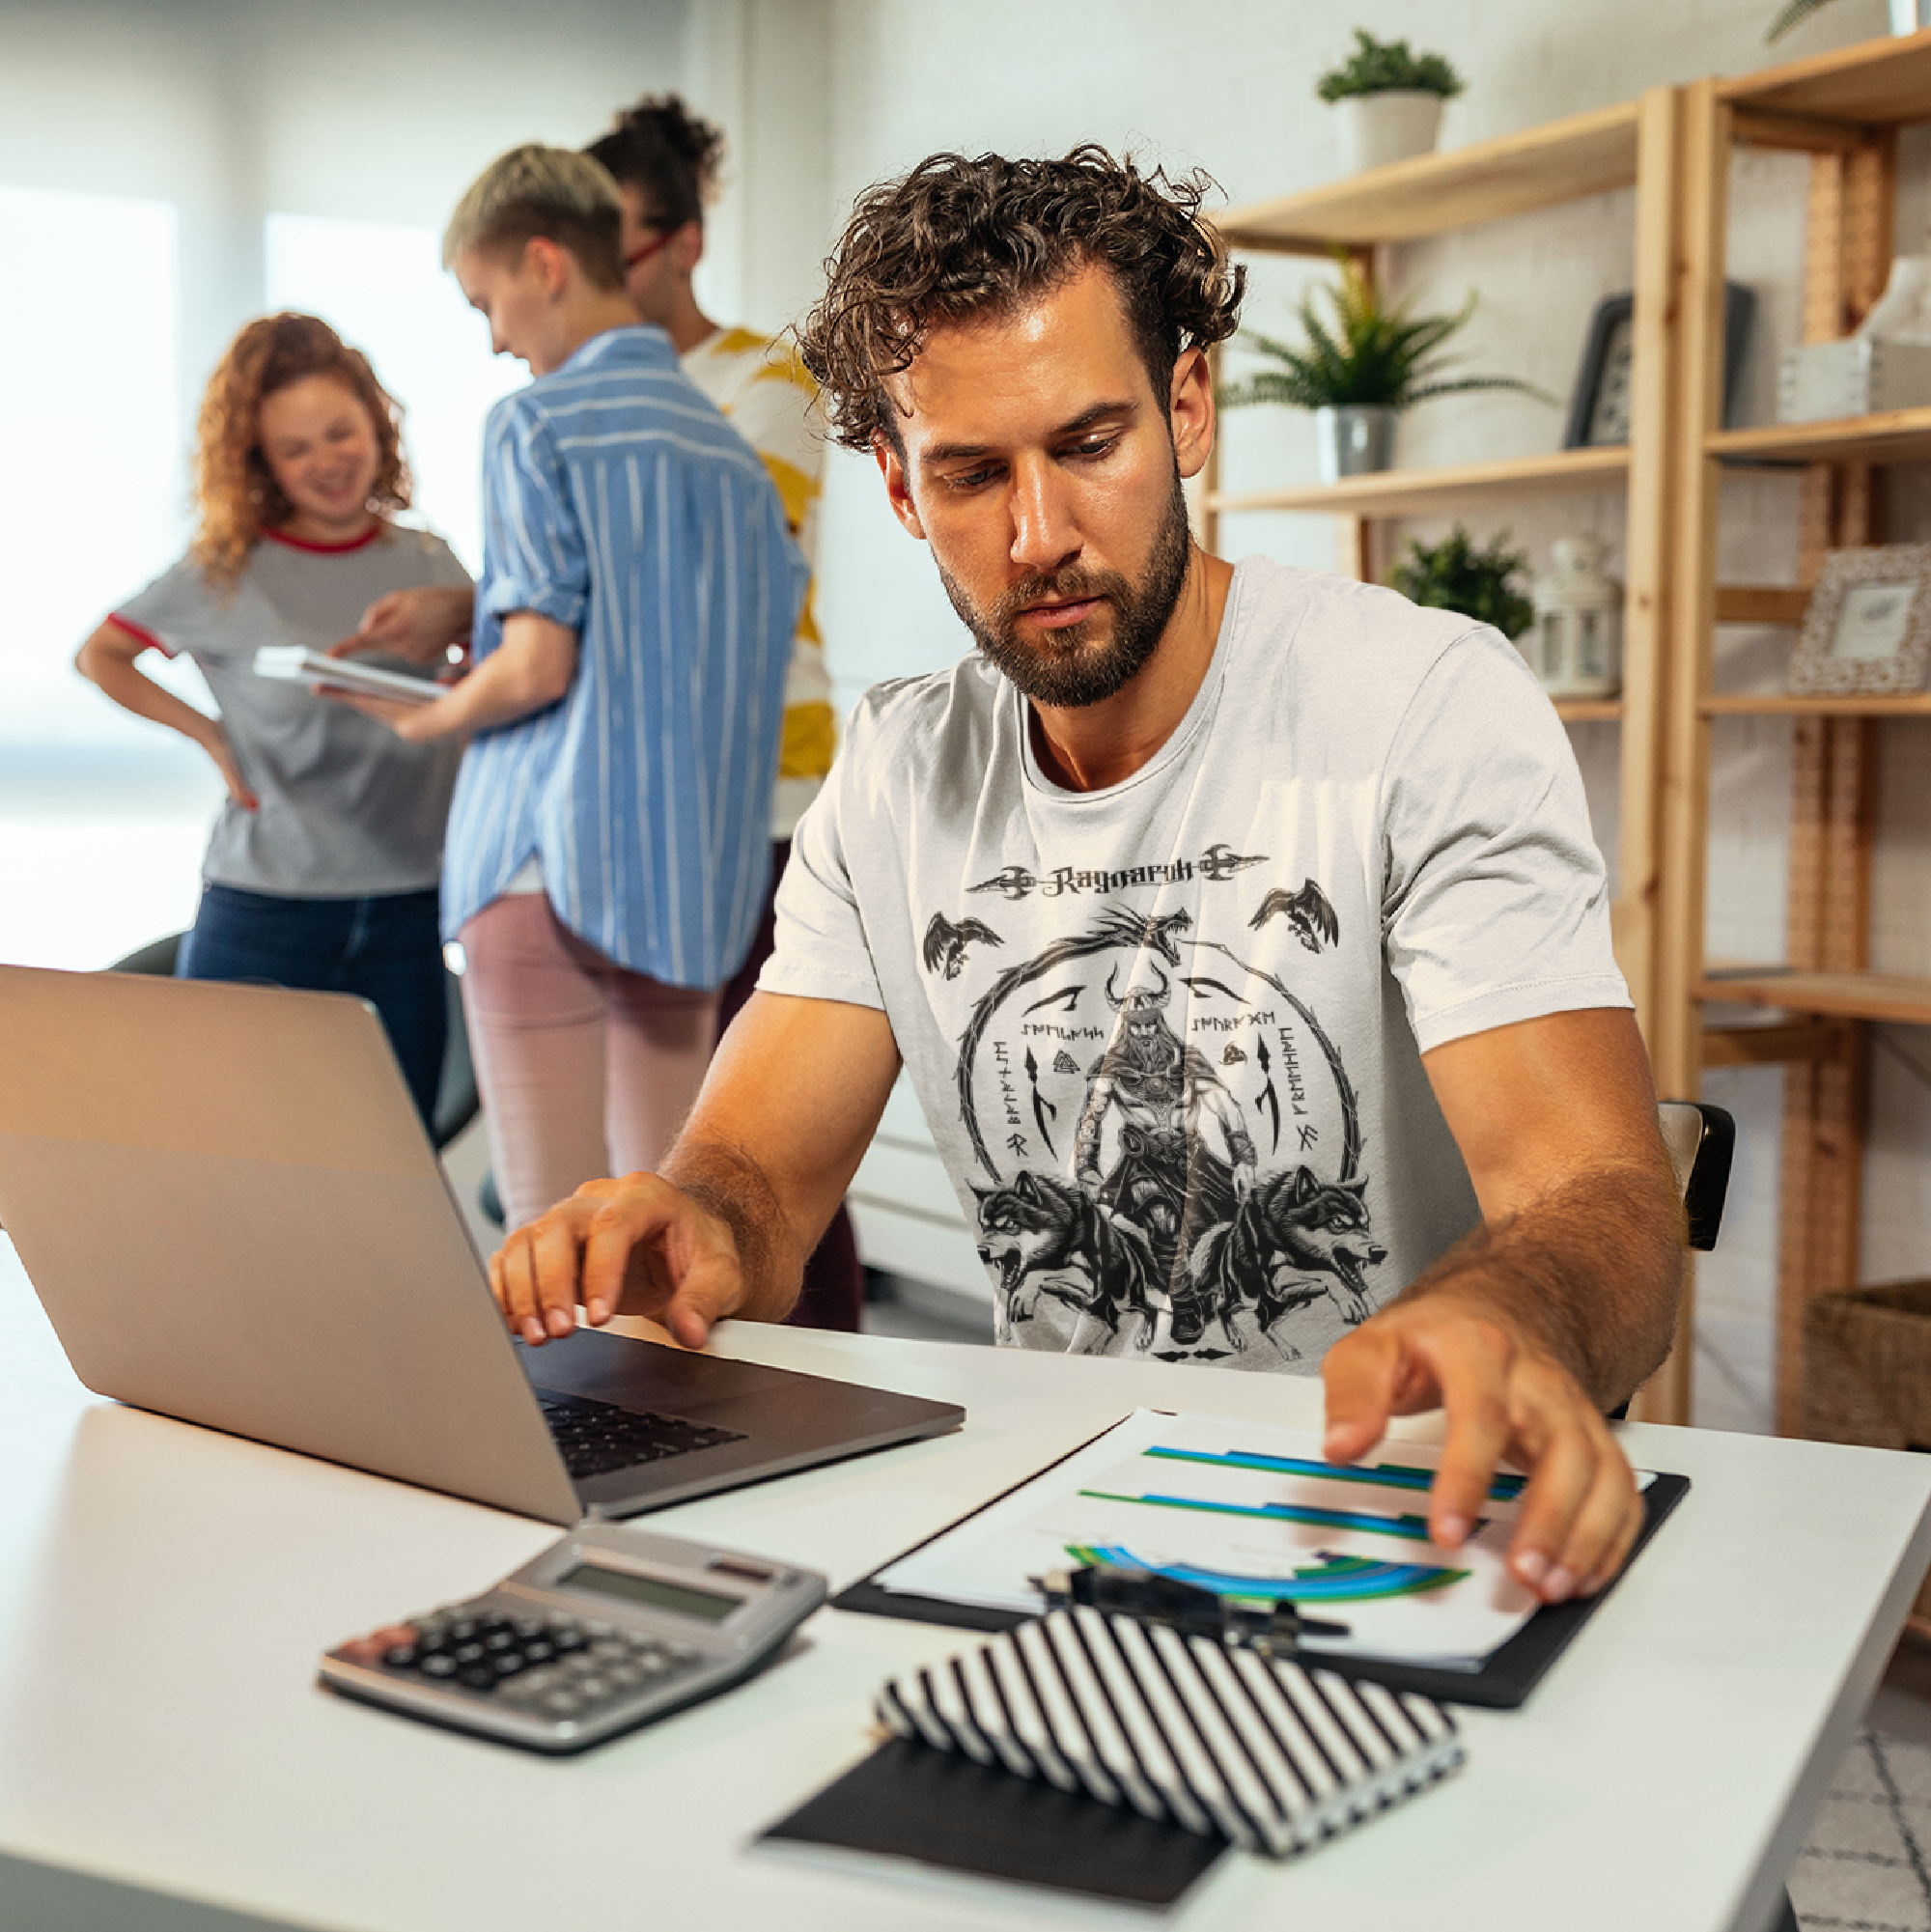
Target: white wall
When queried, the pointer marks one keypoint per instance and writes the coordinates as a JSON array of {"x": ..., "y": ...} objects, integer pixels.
[{"x": 1227, "y": 85}]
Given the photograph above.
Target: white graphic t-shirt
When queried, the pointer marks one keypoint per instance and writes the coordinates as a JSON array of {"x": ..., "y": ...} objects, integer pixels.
[{"x": 1168, "y": 1035}]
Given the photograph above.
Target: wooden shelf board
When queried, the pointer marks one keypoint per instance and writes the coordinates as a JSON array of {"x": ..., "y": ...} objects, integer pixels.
[
  {"x": 1761, "y": 603},
  {"x": 1875, "y": 82},
  {"x": 1918, "y": 706},
  {"x": 1402, "y": 492},
  {"x": 1588, "y": 710},
  {"x": 1843, "y": 996},
  {"x": 1898, "y": 436},
  {"x": 1435, "y": 194}
]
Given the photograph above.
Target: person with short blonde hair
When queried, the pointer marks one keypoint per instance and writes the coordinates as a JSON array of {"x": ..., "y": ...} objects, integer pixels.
[
  {"x": 608, "y": 848},
  {"x": 533, "y": 191}
]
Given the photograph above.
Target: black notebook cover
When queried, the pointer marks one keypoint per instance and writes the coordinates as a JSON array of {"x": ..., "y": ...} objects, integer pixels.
[
  {"x": 909, "y": 1800},
  {"x": 1503, "y": 1683}
]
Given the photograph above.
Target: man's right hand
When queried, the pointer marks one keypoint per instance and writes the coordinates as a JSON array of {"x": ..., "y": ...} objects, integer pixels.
[
  {"x": 634, "y": 1247},
  {"x": 419, "y": 624}
]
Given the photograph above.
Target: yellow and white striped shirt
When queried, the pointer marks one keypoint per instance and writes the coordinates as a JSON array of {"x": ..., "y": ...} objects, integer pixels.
[{"x": 760, "y": 384}]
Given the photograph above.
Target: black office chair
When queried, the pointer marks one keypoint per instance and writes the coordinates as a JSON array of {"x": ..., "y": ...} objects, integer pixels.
[
  {"x": 457, "y": 1101},
  {"x": 1701, "y": 1141}
]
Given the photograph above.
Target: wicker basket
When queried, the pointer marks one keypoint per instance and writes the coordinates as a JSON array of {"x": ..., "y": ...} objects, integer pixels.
[{"x": 1867, "y": 1372}]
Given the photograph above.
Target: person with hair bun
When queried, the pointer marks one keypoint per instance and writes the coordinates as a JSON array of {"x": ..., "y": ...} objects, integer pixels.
[
  {"x": 321, "y": 871},
  {"x": 665, "y": 161}
]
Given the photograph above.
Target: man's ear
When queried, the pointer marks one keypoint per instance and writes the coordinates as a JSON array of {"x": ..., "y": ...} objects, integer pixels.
[
  {"x": 898, "y": 485},
  {"x": 686, "y": 247},
  {"x": 1190, "y": 406}
]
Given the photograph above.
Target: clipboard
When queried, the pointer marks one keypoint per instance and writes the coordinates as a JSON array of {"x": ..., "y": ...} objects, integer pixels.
[{"x": 1504, "y": 1681}]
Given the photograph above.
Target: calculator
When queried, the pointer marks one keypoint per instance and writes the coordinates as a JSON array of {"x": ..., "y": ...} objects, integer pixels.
[{"x": 607, "y": 1630}]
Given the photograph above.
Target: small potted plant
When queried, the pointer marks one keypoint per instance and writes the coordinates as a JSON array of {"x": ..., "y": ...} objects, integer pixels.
[
  {"x": 1359, "y": 370},
  {"x": 1389, "y": 100},
  {"x": 1454, "y": 576}
]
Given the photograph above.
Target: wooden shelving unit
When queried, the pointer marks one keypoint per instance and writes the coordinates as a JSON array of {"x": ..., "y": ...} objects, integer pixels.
[
  {"x": 1898, "y": 435},
  {"x": 1721, "y": 705},
  {"x": 1674, "y": 146},
  {"x": 1631, "y": 144},
  {"x": 1422, "y": 493},
  {"x": 1897, "y": 997},
  {"x": 1844, "y": 110},
  {"x": 1437, "y": 194}
]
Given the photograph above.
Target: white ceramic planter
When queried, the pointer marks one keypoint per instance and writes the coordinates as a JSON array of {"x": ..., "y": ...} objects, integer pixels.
[
  {"x": 1907, "y": 16},
  {"x": 1377, "y": 128}
]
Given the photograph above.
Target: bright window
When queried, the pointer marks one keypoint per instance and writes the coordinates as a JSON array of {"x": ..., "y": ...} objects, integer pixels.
[{"x": 92, "y": 496}]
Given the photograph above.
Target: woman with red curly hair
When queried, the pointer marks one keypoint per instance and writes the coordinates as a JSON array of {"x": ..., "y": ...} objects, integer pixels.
[{"x": 321, "y": 870}]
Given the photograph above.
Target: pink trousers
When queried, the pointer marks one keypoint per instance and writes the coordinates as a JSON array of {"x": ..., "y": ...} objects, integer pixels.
[{"x": 584, "y": 1069}]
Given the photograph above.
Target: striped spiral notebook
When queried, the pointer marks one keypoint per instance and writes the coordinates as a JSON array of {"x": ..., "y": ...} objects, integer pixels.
[{"x": 1273, "y": 1755}]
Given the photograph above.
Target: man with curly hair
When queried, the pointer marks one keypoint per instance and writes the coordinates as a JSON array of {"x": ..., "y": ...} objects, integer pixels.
[{"x": 1240, "y": 927}]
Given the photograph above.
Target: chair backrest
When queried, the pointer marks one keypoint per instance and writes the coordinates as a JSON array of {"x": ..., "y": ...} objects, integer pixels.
[
  {"x": 456, "y": 1102},
  {"x": 1701, "y": 1140}
]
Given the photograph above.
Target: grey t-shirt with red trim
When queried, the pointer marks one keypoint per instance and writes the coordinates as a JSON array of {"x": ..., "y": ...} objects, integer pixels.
[
  {"x": 1168, "y": 1035},
  {"x": 344, "y": 808}
]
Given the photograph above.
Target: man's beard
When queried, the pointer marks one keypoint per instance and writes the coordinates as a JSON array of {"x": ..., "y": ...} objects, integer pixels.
[{"x": 1064, "y": 670}]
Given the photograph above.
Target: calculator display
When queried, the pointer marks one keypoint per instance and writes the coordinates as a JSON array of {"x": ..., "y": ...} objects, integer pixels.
[{"x": 598, "y": 1580}]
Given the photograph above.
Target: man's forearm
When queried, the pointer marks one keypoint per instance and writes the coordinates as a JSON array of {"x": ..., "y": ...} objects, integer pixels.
[
  {"x": 1590, "y": 1273},
  {"x": 726, "y": 1182}
]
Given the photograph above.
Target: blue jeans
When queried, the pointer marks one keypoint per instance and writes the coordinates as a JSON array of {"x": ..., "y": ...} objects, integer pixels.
[{"x": 388, "y": 949}]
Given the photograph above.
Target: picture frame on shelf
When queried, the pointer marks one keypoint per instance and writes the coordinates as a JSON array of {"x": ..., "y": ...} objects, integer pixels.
[
  {"x": 1599, "y": 408},
  {"x": 1868, "y": 629}
]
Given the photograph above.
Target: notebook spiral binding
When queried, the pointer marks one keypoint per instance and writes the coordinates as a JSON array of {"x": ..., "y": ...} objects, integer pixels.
[{"x": 1266, "y": 1752}]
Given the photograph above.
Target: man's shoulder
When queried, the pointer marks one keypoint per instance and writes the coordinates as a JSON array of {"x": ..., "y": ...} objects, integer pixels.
[{"x": 1354, "y": 656}]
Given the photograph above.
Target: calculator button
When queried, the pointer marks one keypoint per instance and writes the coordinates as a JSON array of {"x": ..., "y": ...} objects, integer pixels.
[
  {"x": 402, "y": 1658},
  {"x": 528, "y": 1625},
  {"x": 461, "y": 1630},
  {"x": 499, "y": 1639},
  {"x": 507, "y": 1664},
  {"x": 562, "y": 1704},
  {"x": 480, "y": 1678},
  {"x": 539, "y": 1651},
  {"x": 438, "y": 1663},
  {"x": 609, "y": 1647},
  {"x": 469, "y": 1653},
  {"x": 568, "y": 1639},
  {"x": 592, "y": 1690}
]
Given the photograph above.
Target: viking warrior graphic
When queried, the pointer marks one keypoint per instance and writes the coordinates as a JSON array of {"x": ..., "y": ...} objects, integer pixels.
[{"x": 1170, "y": 1179}]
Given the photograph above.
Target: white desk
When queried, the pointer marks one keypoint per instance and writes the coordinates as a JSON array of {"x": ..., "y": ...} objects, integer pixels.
[{"x": 164, "y": 1592}]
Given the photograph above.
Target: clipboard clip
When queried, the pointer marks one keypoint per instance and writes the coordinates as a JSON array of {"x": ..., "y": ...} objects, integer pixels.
[{"x": 1269, "y": 1626}]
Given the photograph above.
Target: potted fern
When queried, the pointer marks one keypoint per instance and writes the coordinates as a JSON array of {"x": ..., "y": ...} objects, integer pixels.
[
  {"x": 1454, "y": 576},
  {"x": 1358, "y": 369},
  {"x": 1388, "y": 100}
]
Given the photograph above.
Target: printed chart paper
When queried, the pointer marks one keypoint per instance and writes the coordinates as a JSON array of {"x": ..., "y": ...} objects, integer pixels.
[{"x": 1247, "y": 1510}]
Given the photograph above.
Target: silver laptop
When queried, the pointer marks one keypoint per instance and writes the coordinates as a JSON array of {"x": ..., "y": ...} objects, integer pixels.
[{"x": 226, "y": 1202}]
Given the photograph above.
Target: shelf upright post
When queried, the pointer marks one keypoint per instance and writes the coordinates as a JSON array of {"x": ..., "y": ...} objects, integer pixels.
[
  {"x": 1676, "y": 1039},
  {"x": 1647, "y": 561},
  {"x": 1847, "y": 253}
]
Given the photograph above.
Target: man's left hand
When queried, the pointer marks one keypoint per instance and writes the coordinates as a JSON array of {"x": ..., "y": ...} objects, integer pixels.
[{"x": 1506, "y": 1401}]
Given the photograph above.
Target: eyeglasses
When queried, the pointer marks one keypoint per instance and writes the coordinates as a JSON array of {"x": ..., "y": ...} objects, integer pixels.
[{"x": 649, "y": 249}]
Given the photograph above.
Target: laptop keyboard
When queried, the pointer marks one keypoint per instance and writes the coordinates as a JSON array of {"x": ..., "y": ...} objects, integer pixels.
[{"x": 598, "y": 1436}]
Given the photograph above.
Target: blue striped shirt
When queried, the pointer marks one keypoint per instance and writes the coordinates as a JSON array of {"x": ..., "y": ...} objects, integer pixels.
[{"x": 620, "y": 503}]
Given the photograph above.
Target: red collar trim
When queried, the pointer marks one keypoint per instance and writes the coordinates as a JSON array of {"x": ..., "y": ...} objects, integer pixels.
[{"x": 368, "y": 536}]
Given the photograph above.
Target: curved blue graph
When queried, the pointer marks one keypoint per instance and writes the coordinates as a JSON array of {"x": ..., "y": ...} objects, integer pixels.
[{"x": 1332, "y": 1579}]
